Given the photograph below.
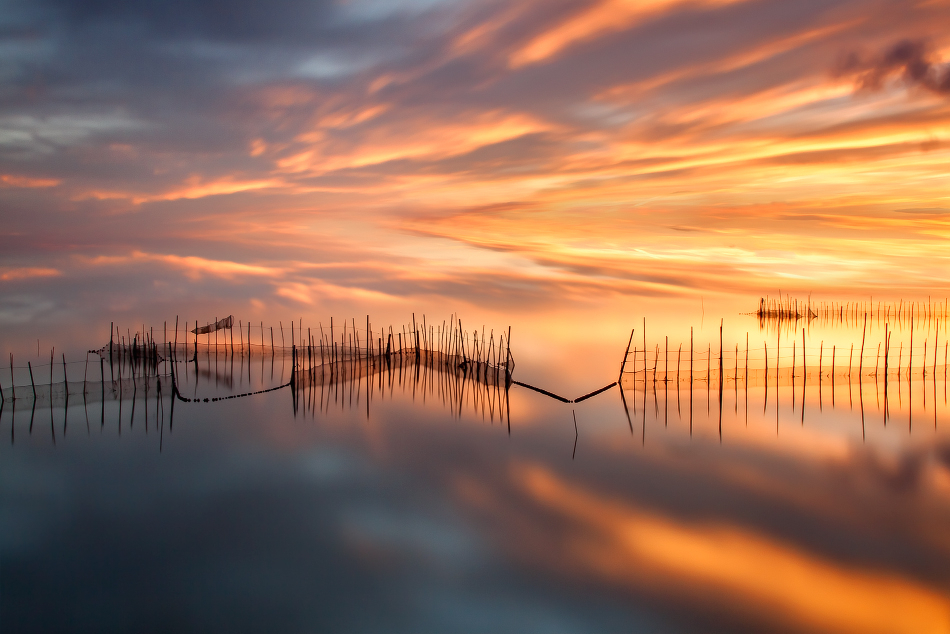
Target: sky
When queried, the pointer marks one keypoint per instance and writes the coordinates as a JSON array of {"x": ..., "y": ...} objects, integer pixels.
[{"x": 334, "y": 156}]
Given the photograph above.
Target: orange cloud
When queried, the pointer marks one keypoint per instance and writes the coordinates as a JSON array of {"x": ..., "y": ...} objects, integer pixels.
[
  {"x": 604, "y": 17},
  {"x": 196, "y": 188},
  {"x": 307, "y": 292},
  {"x": 193, "y": 188},
  {"x": 193, "y": 266},
  {"x": 11, "y": 180},
  {"x": 9, "y": 274},
  {"x": 408, "y": 138}
]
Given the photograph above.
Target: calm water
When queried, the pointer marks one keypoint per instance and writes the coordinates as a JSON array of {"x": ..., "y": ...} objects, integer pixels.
[{"x": 423, "y": 497}]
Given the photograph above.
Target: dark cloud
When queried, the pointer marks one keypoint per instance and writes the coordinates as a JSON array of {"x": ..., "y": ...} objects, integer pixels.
[
  {"x": 910, "y": 60},
  {"x": 279, "y": 20}
]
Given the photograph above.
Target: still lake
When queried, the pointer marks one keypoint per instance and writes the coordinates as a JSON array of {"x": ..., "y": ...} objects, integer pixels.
[{"x": 400, "y": 493}]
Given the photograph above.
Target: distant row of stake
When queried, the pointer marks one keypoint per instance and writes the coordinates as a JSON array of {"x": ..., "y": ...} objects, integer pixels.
[
  {"x": 827, "y": 358},
  {"x": 787, "y": 307}
]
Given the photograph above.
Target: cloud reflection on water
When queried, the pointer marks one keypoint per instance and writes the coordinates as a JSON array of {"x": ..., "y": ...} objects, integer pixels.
[{"x": 810, "y": 529}]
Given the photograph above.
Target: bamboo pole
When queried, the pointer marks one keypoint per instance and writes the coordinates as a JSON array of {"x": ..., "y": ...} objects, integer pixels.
[
  {"x": 910, "y": 350},
  {"x": 679, "y": 353},
  {"x": 745, "y": 377},
  {"x": 508, "y": 349},
  {"x": 804, "y": 364},
  {"x": 861, "y": 361},
  {"x": 720, "y": 365},
  {"x": 32, "y": 383},
  {"x": 887, "y": 350},
  {"x": 625, "y": 353}
]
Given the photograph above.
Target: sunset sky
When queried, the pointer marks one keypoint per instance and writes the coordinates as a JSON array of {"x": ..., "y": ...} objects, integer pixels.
[{"x": 293, "y": 156}]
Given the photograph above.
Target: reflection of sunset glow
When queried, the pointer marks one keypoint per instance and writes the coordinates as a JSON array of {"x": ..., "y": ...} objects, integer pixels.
[{"x": 751, "y": 572}]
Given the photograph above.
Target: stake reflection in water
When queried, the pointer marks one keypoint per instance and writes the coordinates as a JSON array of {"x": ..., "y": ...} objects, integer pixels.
[
  {"x": 923, "y": 395},
  {"x": 321, "y": 370}
]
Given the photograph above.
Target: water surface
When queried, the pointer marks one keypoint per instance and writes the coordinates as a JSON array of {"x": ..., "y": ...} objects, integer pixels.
[{"x": 406, "y": 494}]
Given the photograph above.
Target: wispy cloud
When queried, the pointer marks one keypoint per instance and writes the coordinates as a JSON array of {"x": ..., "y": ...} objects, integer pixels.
[{"x": 7, "y": 274}]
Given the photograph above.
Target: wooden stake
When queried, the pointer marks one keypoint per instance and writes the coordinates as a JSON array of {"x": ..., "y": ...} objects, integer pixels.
[
  {"x": 863, "y": 333},
  {"x": 678, "y": 355},
  {"x": 625, "y": 353},
  {"x": 936, "y": 336},
  {"x": 887, "y": 350},
  {"x": 910, "y": 350},
  {"x": 804, "y": 365},
  {"x": 720, "y": 364},
  {"x": 508, "y": 349}
]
